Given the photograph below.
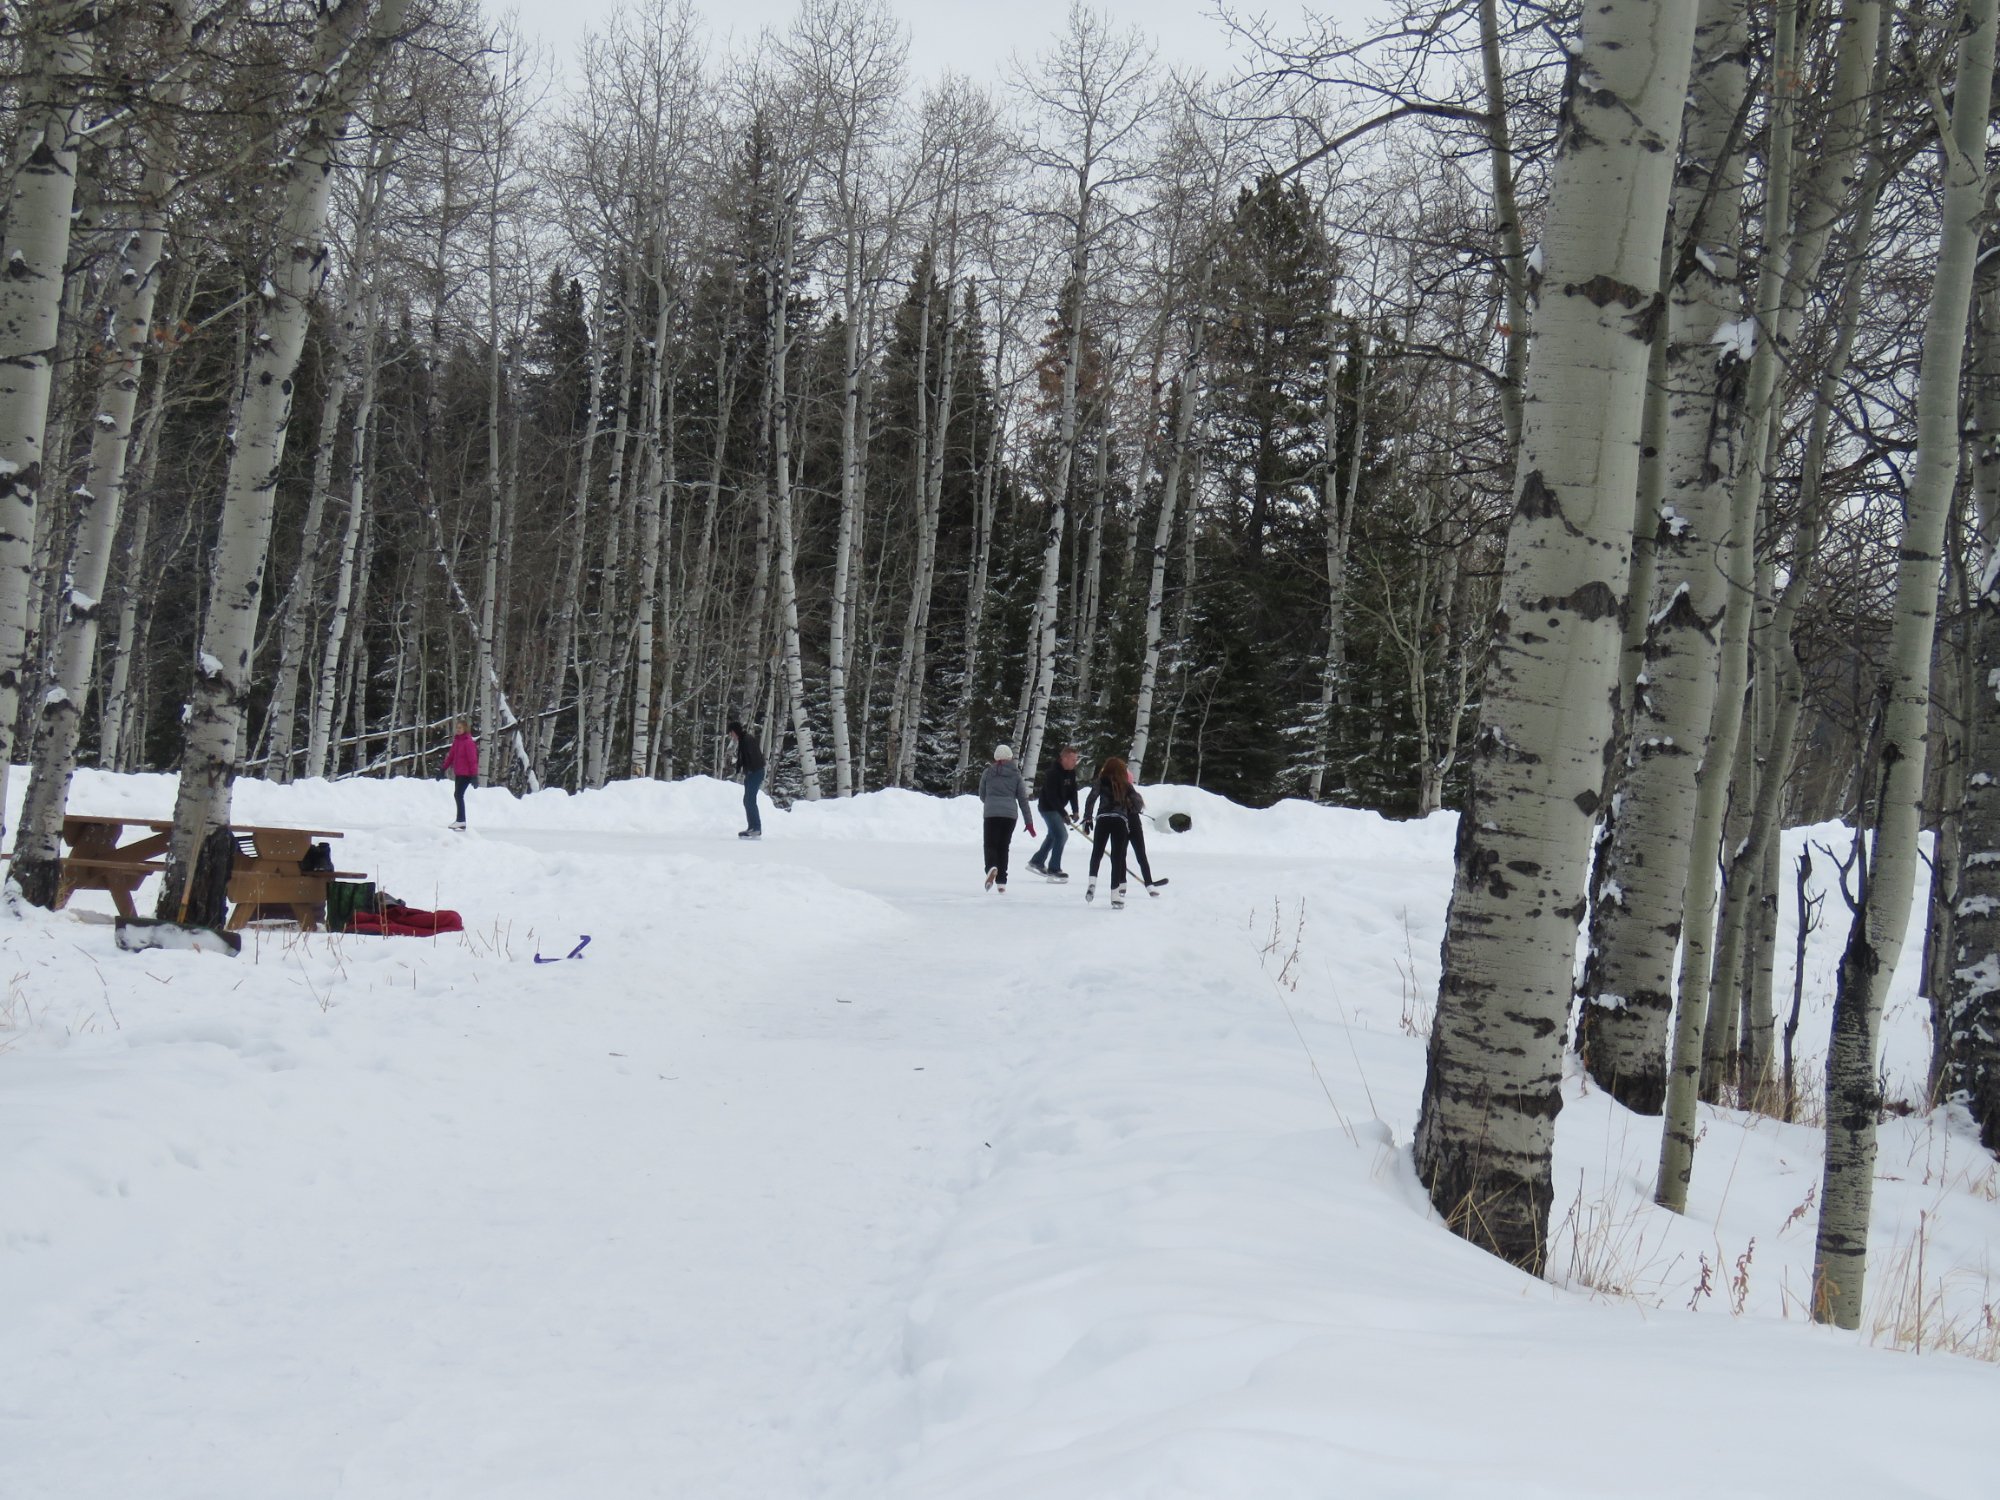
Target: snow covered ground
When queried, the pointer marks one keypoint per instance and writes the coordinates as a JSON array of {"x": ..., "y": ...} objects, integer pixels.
[{"x": 823, "y": 1173}]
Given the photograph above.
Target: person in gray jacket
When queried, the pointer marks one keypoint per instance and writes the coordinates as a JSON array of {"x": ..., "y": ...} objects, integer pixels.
[{"x": 1001, "y": 790}]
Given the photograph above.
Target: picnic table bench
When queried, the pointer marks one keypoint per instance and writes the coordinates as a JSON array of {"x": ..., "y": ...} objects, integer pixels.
[{"x": 269, "y": 868}]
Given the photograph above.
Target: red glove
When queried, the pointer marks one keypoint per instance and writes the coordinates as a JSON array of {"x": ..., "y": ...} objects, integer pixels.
[{"x": 1031, "y": 830}]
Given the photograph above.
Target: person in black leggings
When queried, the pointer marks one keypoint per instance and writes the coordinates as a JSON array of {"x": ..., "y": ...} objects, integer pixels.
[{"x": 1108, "y": 817}]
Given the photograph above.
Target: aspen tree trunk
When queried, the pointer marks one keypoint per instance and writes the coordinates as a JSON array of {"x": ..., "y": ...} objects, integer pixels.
[
  {"x": 1492, "y": 1088},
  {"x": 114, "y": 737},
  {"x": 1636, "y": 923},
  {"x": 1853, "y": 1087},
  {"x": 55, "y": 524},
  {"x": 905, "y": 665},
  {"x": 1719, "y": 1031},
  {"x": 127, "y": 318},
  {"x": 282, "y": 717},
  {"x": 1163, "y": 527},
  {"x": 1339, "y": 524},
  {"x": 1041, "y": 674},
  {"x": 1725, "y": 1059},
  {"x": 934, "y": 509},
  {"x": 496, "y": 384},
  {"x": 1791, "y": 258},
  {"x": 788, "y": 580},
  {"x": 301, "y": 598},
  {"x": 1506, "y": 225},
  {"x": 343, "y": 54},
  {"x": 567, "y": 623},
  {"x": 1092, "y": 593},
  {"x": 906, "y": 710},
  {"x": 755, "y": 679},
  {"x": 838, "y": 644},
  {"x": 35, "y": 248},
  {"x": 655, "y": 494},
  {"x": 319, "y": 748},
  {"x": 597, "y": 764},
  {"x": 975, "y": 593},
  {"x": 1968, "y": 1003}
]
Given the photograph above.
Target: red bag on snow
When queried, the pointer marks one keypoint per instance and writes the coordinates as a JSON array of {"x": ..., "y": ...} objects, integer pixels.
[{"x": 406, "y": 921}]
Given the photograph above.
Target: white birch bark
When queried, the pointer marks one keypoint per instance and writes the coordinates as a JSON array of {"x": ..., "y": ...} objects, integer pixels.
[
  {"x": 654, "y": 485},
  {"x": 1791, "y": 258},
  {"x": 33, "y": 252},
  {"x": 319, "y": 745},
  {"x": 1091, "y": 600},
  {"x": 1968, "y": 1007},
  {"x": 781, "y": 502},
  {"x": 977, "y": 585},
  {"x": 349, "y": 42},
  {"x": 1339, "y": 499},
  {"x": 920, "y": 468},
  {"x": 1853, "y": 1086},
  {"x": 1636, "y": 923},
  {"x": 577, "y": 538},
  {"x": 115, "y": 732},
  {"x": 597, "y": 766},
  {"x": 1163, "y": 533},
  {"x": 1493, "y": 1085},
  {"x": 127, "y": 316},
  {"x": 301, "y": 598}
]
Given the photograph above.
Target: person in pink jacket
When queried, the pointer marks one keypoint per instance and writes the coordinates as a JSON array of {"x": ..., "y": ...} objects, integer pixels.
[{"x": 461, "y": 763}]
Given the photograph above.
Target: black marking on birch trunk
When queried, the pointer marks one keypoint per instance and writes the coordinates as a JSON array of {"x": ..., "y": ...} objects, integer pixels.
[
  {"x": 1593, "y": 601},
  {"x": 1538, "y": 502},
  {"x": 1587, "y": 803},
  {"x": 1602, "y": 290}
]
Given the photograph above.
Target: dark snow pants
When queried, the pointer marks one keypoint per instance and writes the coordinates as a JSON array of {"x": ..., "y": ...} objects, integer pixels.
[
  {"x": 999, "y": 834},
  {"x": 1136, "y": 827},
  {"x": 1111, "y": 829},
  {"x": 460, "y": 783}
]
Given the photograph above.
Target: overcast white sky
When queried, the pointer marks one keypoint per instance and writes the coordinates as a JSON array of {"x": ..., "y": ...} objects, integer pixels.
[{"x": 971, "y": 36}]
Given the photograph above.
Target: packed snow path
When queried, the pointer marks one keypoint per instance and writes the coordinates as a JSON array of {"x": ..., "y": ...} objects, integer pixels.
[{"x": 823, "y": 1172}]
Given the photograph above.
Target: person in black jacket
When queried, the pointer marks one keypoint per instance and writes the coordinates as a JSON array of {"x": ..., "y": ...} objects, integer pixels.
[
  {"x": 1108, "y": 815},
  {"x": 1056, "y": 796},
  {"x": 750, "y": 761}
]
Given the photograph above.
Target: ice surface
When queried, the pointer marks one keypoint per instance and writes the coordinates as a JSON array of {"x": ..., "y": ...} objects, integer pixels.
[{"x": 824, "y": 1173}]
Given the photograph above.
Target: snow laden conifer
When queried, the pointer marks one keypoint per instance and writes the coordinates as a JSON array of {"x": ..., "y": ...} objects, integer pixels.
[
  {"x": 351, "y": 37},
  {"x": 1896, "y": 771},
  {"x": 1492, "y": 1087}
]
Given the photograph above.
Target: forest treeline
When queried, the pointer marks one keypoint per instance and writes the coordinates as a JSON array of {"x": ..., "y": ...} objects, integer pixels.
[{"x": 361, "y": 369}]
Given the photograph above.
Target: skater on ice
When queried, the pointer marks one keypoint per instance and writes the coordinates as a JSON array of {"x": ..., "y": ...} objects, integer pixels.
[
  {"x": 1135, "y": 827},
  {"x": 750, "y": 761},
  {"x": 1001, "y": 790},
  {"x": 461, "y": 764},
  {"x": 1055, "y": 795},
  {"x": 1108, "y": 817}
]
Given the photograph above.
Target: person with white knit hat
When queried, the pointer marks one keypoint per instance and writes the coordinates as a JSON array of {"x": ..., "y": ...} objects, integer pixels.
[{"x": 1001, "y": 791}]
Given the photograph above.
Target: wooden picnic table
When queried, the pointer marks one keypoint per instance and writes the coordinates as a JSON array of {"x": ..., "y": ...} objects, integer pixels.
[
  {"x": 98, "y": 861},
  {"x": 269, "y": 869}
]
